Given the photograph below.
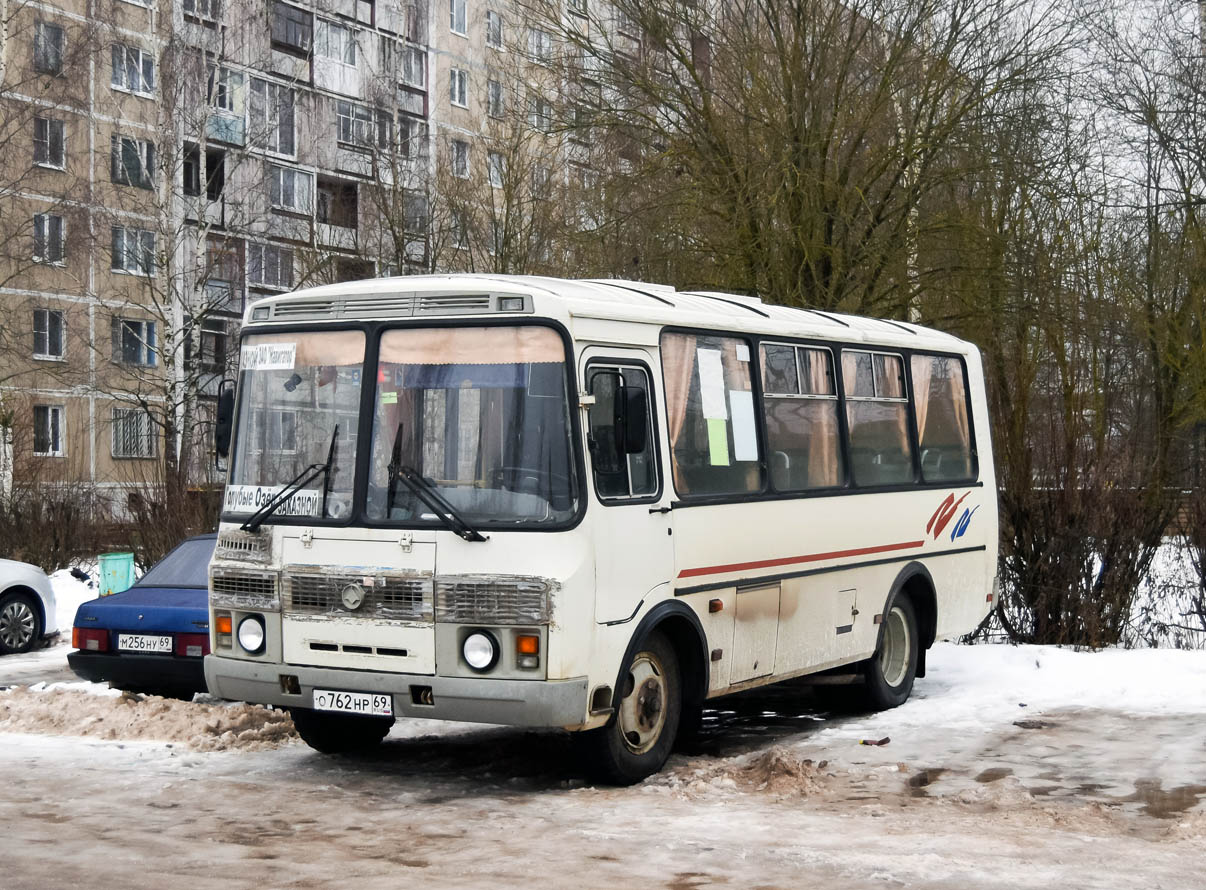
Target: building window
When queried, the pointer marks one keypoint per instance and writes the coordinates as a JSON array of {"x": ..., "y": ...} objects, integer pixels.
[
  {"x": 460, "y": 158},
  {"x": 335, "y": 42},
  {"x": 48, "y": 238},
  {"x": 540, "y": 45},
  {"x": 494, "y": 168},
  {"x": 225, "y": 89},
  {"x": 48, "y": 333},
  {"x": 133, "y": 251},
  {"x": 458, "y": 88},
  {"x": 272, "y": 116},
  {"x": 877, "y": 418},
  {"x": 412, "y": 137},
  {"x": 414, "y": 211},
  {"x": 292, "y": 29},
  {"x": 291, "y": 189},
  {"x": 361, "y": 126},
  {"x": 48, "y": 48},
  {"x": 49, "y": 143},
  {"x": 133, "y": 161},
  {"x": 494, "y": 98},
  {"x": 457, "y": 17},
  {"x": 211, "y": 346},
  {"x": 540, "y": 114},
  {"x": 134, "y": 342},
  {"x": 270, "y": 266},
  {"x": 494, "y": 29},
  {"x": 133, "y": 433},
  {"x": 208, "y": 12},
  {"x": 282, "y": 431},
  {"x": 48, "y": 430},
  {"x": 540, "y": 181},
  {"x": 577, "y": 7},
  {"x": 133, "y": 70},
  {"x": 460, "y": 230},
  {"x": 414, "y": 67},
  {"x": 338, "y": 203}
]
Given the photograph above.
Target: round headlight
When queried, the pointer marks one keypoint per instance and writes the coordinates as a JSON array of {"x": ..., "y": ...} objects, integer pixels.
[
  {"x": 251, "y": 634},
  {"x": 480, "y": 650}
]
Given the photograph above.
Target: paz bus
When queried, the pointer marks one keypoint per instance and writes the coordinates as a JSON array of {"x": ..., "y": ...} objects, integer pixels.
[{"x": 587, "y": 504}]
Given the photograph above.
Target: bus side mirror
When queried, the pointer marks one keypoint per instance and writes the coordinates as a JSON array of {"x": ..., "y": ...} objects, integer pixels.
[{"x": 225, "y": 418}]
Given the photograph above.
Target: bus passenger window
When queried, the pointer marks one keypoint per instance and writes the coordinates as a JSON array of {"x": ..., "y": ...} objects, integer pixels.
[
  {"x": 710, "y": 413},
  {"x": 940, "y": 400},
  {"x": 618, "y": 473},
  {"x": 801, "y": 418},
  {"x": 877, "y": 416}
]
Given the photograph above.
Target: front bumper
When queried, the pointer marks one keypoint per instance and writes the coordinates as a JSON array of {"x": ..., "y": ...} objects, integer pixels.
[
  {"x": 170, "y": 673},
  {"x": 470, "y": 699}
]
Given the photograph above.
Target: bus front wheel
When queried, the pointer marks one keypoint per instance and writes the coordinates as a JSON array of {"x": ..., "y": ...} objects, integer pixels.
[
  {"x": 339, "y": 733},
  {"x": 891, "y": 670},
  {"x": 637, "y": 739}
]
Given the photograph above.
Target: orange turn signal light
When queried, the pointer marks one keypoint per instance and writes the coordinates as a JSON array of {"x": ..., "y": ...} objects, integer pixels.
[
  {"x": 527, "y": 644},
  {"x": 224, "y": 624}
]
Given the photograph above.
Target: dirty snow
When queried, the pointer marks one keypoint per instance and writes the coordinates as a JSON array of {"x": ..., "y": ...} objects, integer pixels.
[{"x": 114, "y": 715}]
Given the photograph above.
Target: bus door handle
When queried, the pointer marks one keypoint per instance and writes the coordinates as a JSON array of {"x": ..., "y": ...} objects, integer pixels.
[{"x": 659, "y": 509}]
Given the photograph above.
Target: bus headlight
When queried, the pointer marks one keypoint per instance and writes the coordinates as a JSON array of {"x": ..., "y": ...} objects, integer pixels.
[
  {"x": 480, "y": 650},
  {"x": 251, "y": 634}
]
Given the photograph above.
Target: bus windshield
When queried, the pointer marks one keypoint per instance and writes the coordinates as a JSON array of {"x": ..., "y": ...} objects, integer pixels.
[
  {"x": 480, "y": 413},
  {"x": 299, "y": 396}
]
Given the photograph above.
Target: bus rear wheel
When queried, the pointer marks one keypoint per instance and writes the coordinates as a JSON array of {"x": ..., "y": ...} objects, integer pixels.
[
  {"x": 891, "y": 670},
  {"x": 637, "y": 739},
  {"x": 339, "y": 733}
]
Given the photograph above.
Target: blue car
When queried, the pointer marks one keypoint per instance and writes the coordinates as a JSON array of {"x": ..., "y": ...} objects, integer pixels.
[{"x": 153, "y": 637}]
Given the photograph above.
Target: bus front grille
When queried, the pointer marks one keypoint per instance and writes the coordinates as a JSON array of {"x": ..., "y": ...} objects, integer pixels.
[
  {"x": 241, "y": 589},
  {"x": 389, "y": 596},
  {"x": 493, "y": 599}
]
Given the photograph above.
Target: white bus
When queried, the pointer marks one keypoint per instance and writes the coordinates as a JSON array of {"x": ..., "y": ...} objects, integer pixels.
[{"x": 588, "y": 504}]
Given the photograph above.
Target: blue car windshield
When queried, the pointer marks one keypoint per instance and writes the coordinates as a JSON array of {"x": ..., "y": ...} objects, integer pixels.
[{"x": 186, "y": 566}]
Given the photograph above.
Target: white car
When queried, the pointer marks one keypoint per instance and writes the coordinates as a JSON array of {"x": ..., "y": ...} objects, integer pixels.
[{"x": 27, "y": 614}]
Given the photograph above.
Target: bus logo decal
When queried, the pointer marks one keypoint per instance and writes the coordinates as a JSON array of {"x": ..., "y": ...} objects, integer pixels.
[{"x": 945, "y": 513}]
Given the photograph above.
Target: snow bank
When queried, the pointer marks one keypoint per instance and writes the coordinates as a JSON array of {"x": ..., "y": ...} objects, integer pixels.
[
  {"x": 121, "y": 716},
  {"x": 69, "y": 592},
  {"x": 974, "y": 686}
]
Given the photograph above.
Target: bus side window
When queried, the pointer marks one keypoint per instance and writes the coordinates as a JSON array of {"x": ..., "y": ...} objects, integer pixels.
[
  {"x": 801, "y": 409},
  {"x": 940, "y": 400},
  {"x": 621, "y": 443},
  {"x": 710, "y": 414},
  {"x": 877, "y": 417}
]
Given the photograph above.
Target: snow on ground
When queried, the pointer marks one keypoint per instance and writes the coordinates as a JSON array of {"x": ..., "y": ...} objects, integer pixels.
[{"x": 69, "y": 592}]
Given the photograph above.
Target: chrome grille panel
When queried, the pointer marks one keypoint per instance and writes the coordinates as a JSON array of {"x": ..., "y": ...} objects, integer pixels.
[
  {"x": 241, "y": 546},
  {"x": 241, "y": 589},
  {"x": 390, "y": 595},
  {"x": 493, "y": 599}
]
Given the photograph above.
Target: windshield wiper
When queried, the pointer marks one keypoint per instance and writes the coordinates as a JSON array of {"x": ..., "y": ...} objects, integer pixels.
[
  {"x": 426, "y": 492},
  {"x": 274, "y": 503}
]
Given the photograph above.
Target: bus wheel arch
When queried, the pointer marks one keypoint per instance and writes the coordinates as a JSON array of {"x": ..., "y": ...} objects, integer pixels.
[
  {"x": 916, "y": 582},
  {"x": 667, "y": 647}
]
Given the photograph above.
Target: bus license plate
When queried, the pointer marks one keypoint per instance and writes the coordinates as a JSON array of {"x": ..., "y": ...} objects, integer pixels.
[
  {"x": 143, "y": 643},
  {"x": 372, "y": 704}
]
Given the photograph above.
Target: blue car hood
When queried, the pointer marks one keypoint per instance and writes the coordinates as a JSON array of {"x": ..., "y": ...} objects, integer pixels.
[{"x": 161, "y": 609}]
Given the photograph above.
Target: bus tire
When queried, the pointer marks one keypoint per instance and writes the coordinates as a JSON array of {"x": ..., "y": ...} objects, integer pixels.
[
  {"x": 890, "y": 672},
  {"x": 640, "y": 734},
  {"x": 339, "y": 733}
]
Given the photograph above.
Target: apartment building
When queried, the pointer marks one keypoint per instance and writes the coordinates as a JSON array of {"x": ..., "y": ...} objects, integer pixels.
[{"x": 164, "y": 162}]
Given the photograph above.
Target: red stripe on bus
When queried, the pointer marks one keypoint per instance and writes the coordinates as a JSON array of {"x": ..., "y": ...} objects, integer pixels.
[{"x": 794, "y": 560}]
